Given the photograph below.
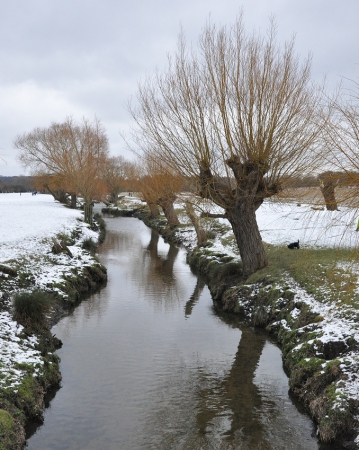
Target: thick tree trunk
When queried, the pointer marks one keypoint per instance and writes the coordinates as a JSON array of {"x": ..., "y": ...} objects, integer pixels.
[
  {"x": 249, "y": 241},
  {"x": 328, "y": 191},
  {"x": 73, "y": 203},
  {"x": 169, "y": 213},
  {"x": 155, "y": 211},
  {"x": 240, "y": 205},
  {"x": 114, "y": 198},
  {"x": 196, "y": 222}
]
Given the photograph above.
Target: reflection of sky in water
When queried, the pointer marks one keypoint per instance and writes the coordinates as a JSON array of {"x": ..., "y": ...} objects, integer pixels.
[
  {"x": 277, "y": 410},
  {"x": 145, "y": 369}
]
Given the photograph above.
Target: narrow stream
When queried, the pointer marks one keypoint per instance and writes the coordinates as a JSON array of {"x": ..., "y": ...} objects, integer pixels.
[{"x": 148, "y": 364}]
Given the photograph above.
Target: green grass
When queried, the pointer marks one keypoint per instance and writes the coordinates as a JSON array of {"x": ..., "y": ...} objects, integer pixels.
[
  {"x": 30, "y": 309},
  {"x": 328, "y": 274},
  {"x": 89, "y": 245},
  {"x": 7, "y": 430}
]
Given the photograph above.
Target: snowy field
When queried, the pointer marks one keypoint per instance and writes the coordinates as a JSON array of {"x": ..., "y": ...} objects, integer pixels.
[
  {"x": 27, "y": 226},
  {"x": 27, "y": 219},
  {"x": 282, "y": 223}
]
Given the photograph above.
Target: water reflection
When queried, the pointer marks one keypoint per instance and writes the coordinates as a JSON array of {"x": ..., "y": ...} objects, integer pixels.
[
  {"x": 148, "y": 364},
  {"x": 239, "y": 400},
  {"x": 158, "y": 263},
  {"x": 198, "y": 289}
]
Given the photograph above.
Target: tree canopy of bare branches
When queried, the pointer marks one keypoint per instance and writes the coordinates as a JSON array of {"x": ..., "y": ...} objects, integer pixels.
[
  {"x": 238, "y": 114},
  {"x": 116, "y": 174},
  {"x": 342, "y": 140},
  {"x": 159, "y": 186},
  {"x": 74, "y": 153}
]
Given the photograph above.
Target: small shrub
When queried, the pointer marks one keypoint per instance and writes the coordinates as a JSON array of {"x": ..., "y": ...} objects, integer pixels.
[
  {"x": 90, "y": 245},
  {"x": 65, "y": 239},
  {"x": 30, "y": 309},
  {"x": 261, "y": 316}
]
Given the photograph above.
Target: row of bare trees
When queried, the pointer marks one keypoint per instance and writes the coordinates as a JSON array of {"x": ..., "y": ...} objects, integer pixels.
[
  {"x": 71, "y": 159},
  {"x": 238, "y": 117}
]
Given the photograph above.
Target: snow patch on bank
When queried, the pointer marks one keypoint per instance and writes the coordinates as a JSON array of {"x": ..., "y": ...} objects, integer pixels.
[{"x": 27, "y": 227}]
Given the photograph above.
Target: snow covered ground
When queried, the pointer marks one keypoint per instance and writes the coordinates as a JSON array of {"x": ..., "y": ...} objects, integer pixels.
[
  {"x": 27, "y": 226},
  {"x": 282, "y": 223},
  {"x": 26, "y": 220}
]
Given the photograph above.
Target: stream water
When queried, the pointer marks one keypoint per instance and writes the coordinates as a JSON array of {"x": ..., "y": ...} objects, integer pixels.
[{"x": 147, "y": 363}]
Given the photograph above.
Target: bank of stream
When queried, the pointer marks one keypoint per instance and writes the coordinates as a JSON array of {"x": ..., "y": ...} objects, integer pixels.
[{"x": 147, "y": 363}]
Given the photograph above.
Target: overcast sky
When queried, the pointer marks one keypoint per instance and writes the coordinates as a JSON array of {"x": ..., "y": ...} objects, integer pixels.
[{"x": 83, "y": 58}]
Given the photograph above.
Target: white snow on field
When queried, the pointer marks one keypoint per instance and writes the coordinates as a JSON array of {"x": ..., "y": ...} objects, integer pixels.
[
  {"x": 27, "y": 219},
  {"x": 15, "y": 350},
  {"x": 28, "y": 224},
  {"x": 282, "y": 223}
]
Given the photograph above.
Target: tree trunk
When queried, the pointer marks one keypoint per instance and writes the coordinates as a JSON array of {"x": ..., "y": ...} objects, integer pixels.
[
  {"x": 328, "y": 190},
  {"x": 196, "y": 222},
  {"x": 114, "y": 198},
  {"x": 240, "y": 205},
  {"x": 249, "y": 241},
  {"x": 155, "y": 211},
  {"x": 59, "y": 195},
  {"x": 88, "y": 210},
  {"x": 169, "y": 213},
  {"x": 73, "y": 203}
]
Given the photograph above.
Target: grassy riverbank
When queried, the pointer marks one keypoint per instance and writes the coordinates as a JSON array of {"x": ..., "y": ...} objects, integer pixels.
[
  {"x": 307, "y": 299},
  {"x": 47, "y": 264}
]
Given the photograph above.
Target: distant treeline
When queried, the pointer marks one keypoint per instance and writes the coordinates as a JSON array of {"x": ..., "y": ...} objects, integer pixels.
[
  {"x": 16, "y": 184},
  {"x": 339, "y": 178}
]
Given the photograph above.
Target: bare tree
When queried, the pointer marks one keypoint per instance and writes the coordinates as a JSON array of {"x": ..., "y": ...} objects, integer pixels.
[
  {"x": 159, "y": 186},
  {"x": 116, "y": 173},
  {"x": 328, "y": 182},
  {"x": 240, "y": 116},
  {"x": 342, "y": 139},
  {"x": 73, "y": 152}
]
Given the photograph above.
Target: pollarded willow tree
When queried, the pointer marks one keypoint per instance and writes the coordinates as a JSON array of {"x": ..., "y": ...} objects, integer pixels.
[
  {"x": 238, "y": 114},
  {"x": 342, "y": 139},
  {"x": 74, "y": 153},
  {"x": 116, "y": 173},
  {"x": 159, "y": 186}
]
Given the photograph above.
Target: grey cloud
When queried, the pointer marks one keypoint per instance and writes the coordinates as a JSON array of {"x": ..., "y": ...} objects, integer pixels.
[{"x": 60, "y": 58}]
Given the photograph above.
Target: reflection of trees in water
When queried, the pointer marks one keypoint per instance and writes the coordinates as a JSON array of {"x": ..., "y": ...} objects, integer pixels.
[
  {"x": 119, "y": 243},
  {"x": 237, "y": 399},
  {"x": 151, "y": 270},
  {"x": 163, "y": 266},
  {"x": 198, "y": 289},
  {"x": 199, "y": 409},
  {"x": 196, "y": 408},
  {"x": 154, "y": 274}
]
